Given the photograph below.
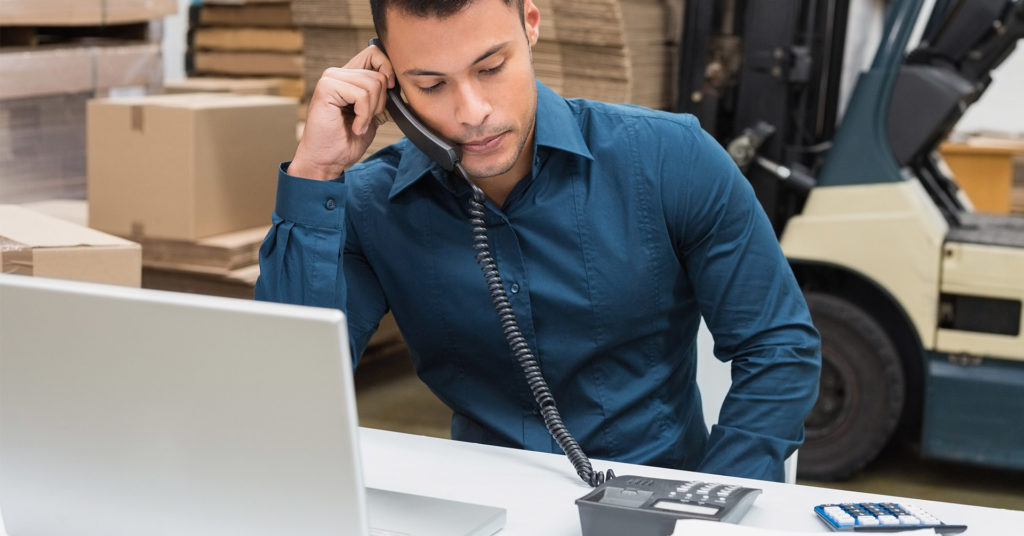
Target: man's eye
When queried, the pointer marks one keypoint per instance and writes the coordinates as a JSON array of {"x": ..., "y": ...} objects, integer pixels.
[
  {"x": 495, "y": 69},
  {"x": 432, "y": 88}
]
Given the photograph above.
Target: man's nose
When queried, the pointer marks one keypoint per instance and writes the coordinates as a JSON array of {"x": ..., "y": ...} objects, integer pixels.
[{"x": 473, "y": 106}]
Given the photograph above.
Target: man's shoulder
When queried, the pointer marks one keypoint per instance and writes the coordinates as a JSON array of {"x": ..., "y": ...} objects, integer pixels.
[
  {"x": 376, "y": 173},
  {"x": 383, "y": 162},
  {"x": 599, "y": 114}
]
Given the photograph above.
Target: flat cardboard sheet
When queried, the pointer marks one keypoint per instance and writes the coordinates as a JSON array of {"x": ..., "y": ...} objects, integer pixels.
[
  {"x": 82, "y": 12},
  {"x": 53, "y": 70}
]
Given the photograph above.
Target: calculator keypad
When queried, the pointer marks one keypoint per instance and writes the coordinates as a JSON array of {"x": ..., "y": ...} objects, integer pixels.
[{"x": 880, "y": 517}]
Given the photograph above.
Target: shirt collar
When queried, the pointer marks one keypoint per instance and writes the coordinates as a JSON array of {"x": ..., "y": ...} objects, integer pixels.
[{"x": 556, "y": 128}]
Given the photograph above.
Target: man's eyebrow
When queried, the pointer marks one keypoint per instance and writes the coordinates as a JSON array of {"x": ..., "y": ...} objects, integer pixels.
[{"x": 490, "y": 52}]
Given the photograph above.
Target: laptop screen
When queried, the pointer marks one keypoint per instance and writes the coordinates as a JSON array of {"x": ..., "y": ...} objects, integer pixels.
[{"x": 129, "y": 411}]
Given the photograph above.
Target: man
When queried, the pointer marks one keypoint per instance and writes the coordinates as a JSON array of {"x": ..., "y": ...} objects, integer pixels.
[{"x": 614, "y": 227}]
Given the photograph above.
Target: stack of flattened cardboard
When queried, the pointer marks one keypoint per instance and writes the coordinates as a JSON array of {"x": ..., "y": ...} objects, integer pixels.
[
  {"x": 54, "y": 56},
  {"x": 610, "y": 50},
  {"x": 248, "y": 38}
]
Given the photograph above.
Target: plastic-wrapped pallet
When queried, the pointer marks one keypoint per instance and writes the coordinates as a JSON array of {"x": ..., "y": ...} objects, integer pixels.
[{"x": 54, "y": 56}]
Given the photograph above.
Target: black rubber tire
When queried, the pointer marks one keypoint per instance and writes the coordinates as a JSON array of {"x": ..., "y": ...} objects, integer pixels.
[{"x": 860, "y": 396}]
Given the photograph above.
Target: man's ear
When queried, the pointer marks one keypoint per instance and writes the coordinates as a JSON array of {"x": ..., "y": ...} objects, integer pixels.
[{"x": 531, "y": 21}]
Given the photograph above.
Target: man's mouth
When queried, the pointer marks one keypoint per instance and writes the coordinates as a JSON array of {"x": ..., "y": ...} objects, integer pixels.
[{"x": 482, "y": 145}]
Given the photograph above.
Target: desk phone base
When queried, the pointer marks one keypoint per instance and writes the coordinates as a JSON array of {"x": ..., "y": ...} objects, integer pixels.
[{"x": 641, "y": 506}]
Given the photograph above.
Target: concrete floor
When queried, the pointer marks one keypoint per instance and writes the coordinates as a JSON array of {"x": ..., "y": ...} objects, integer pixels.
[{"x": 390, "y": 397}]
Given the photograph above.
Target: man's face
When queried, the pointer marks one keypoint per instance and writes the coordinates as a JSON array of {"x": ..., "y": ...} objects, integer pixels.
[{"x": 470, "y": 78}]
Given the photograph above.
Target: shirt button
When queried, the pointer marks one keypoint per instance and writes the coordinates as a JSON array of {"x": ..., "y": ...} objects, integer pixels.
[
  {"x": 330, "y": 203},
  {"x": 514, "y": 288}
]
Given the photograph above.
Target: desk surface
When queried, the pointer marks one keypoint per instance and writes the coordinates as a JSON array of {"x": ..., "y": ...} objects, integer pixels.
[{"x": 539, "y": 490}]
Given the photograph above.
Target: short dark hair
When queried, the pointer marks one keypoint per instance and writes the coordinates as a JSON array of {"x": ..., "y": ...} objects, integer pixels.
[{"x": 424, "y": 8}]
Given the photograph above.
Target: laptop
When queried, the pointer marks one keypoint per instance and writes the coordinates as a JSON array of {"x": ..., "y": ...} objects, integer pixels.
[{"x": 126, "y": 411}]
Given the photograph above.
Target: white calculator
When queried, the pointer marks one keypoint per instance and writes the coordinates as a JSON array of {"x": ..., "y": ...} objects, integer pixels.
[{"x": 881, "y": 517}]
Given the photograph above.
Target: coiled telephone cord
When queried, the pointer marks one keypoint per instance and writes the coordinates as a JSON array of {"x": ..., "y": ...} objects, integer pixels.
[{"x": 520, "y": 349}]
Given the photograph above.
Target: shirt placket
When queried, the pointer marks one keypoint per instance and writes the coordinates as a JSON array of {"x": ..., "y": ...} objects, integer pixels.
[{"x": 508, "y": 254}]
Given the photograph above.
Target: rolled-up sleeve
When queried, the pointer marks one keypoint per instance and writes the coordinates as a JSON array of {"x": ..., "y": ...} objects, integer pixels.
[
  {"x": 752, "y": 305},
  {"x": 308, "y": 257}
]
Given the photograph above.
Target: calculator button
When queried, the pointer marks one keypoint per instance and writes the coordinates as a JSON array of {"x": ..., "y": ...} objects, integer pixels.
[
  {"x": 909, "y": 520},
  {"x": 887, "y": 519},
  {"x": 867, "y": 520},
  {"x": 896, "y": 509},
  {"x": 844, "y": 521}
]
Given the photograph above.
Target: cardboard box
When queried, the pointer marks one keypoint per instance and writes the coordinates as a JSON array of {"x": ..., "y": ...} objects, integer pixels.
[
  {"x": 82, "y": 12},
  {"x": 984, "y": 168},
  {"x": 36, "y": 244},
  {"x": 186, "y": 166}
]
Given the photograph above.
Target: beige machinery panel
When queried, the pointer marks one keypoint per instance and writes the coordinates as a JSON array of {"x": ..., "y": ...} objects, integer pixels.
[
  {"x": 891, "y": 233},
  {"x": 985, "y": 271}
]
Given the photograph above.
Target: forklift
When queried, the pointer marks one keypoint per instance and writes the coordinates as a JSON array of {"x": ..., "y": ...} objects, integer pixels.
[{"x": 917, "y": 297}]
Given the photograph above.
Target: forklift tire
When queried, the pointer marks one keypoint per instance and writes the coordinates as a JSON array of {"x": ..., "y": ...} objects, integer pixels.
[{"x": 861, "y": 391}]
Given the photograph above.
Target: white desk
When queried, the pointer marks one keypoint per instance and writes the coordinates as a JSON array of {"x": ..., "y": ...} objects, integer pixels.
[{"x": 539, "y": 490}]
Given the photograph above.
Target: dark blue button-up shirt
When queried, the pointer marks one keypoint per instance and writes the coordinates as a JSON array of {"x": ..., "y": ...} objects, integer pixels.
[{"x": 632, "y": 224}]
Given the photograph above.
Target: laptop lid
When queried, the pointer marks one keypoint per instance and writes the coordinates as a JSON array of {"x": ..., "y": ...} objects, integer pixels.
[{"x": 128, "y": 411}]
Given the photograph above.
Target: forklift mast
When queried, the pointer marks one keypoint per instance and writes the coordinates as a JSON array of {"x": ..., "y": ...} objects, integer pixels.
[{"x": 764, "y": 77}]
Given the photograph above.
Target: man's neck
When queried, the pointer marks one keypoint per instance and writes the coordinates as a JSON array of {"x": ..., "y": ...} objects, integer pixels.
[{"x": 498, "y": 187}]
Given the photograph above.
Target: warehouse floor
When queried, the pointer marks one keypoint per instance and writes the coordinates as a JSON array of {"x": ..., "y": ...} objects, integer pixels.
[{"x": 390, "y": 397}]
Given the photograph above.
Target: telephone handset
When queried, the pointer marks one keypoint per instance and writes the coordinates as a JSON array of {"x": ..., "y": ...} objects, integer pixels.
[
  {"x": 449, "y": 158},
  {"x": 434, "y": 146}
]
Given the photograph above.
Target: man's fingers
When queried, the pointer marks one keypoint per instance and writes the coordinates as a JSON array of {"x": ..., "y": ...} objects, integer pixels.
[
  {"x": 362, "y": 92},
  {"x": 373, "y": 59}
]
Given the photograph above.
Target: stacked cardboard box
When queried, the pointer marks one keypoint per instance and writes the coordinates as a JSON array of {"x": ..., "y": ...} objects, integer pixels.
[
  {"x": 611, "y": 50},
  {"x": 186, "y": 166},
  {"x": 33, "y": 243},
  {"x": 247, "y": 38},
  {"x": 54, "y": 56}
]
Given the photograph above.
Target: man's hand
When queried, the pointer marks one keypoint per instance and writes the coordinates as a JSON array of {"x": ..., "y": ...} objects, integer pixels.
[{"x": 346, "y": 108}]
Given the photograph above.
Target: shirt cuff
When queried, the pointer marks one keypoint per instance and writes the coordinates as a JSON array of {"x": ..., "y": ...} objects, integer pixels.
[{"x": 310, "y": 202}]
